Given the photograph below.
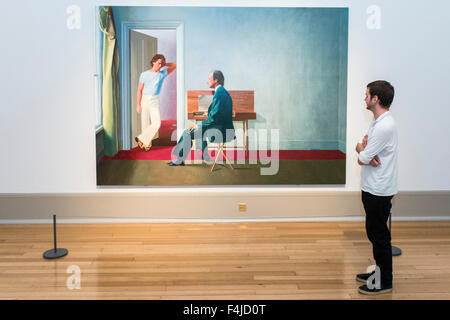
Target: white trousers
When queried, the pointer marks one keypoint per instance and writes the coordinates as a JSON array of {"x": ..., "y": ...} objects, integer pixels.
[{"x": 150, "y": 119}]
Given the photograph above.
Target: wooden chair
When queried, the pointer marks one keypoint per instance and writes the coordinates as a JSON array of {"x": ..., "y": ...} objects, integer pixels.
[{"x": 219, "y": 150}]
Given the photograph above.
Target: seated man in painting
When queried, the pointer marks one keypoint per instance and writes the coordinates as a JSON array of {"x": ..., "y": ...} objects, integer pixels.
[{"x": 218, "y": 127}]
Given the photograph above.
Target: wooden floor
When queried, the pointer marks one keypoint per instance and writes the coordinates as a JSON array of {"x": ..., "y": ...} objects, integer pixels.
[{"x": 219, "y": 261}]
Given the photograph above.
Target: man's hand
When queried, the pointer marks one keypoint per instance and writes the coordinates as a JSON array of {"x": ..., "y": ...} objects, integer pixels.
[
  {"x": 139, "y": 109},
  {"x": 375, "y": 162},
  {"x": 362, "y": 145},
  {"x": 364, "y": 141},
  {"x": 192, "y": 126},
  {"x": 359, "y": 147}
]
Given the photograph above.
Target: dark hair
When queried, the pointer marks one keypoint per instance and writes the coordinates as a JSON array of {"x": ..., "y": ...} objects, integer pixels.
[
  {"x": 383, "y": 90},
  {"x": 156, "y": 57},
  {"x": 218, "y": 75}
]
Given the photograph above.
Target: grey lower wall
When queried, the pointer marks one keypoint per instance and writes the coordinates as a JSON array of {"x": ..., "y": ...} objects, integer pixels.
[{"x": 189, "y": 205}]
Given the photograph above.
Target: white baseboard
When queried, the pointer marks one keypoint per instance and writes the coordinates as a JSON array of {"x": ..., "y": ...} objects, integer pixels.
[{"x": 139, "y": 220}]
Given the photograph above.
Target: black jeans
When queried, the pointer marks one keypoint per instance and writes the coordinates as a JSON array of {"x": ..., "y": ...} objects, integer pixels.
[{"x": 378, "y": 209}]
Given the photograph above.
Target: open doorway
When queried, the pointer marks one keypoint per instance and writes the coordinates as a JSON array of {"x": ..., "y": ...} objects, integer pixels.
[{"x": 144, "y": 44}]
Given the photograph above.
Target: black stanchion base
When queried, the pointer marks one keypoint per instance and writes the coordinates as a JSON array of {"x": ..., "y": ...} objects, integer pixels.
[
  {"x": 52, "y": 254},
  {"x": 396, "y": 251}
]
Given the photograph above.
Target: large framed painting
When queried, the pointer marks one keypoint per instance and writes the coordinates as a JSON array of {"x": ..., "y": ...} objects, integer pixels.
[{"x": 221, "y": 96}]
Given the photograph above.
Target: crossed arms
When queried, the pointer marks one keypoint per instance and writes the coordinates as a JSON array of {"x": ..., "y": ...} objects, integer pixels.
[{"x": 361, "y": 146}]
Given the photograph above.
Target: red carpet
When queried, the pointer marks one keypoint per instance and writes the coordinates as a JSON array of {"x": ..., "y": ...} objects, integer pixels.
[
  {"x": 165, "y": 133},
  {"x": 164, "y": 153}
]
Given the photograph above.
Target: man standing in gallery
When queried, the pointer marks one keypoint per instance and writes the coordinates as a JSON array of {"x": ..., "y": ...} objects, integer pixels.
[{"x": 379, "y": 171}]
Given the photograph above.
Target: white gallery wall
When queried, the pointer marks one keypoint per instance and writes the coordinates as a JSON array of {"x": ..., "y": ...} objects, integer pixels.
[{"x": 47, "y": 115}]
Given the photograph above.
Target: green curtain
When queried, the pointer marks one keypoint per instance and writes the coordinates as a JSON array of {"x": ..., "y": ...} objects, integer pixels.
[{"x": 110, "y": 89}]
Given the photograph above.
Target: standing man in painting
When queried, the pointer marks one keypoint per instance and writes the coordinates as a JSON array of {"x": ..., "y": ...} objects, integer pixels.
[
  {"x": 217, "y": 127},
  {"x": 150, "y": 83},
  {"x": 378, "y": 158}
]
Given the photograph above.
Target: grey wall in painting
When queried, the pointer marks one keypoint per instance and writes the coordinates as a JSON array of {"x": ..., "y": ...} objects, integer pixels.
[{"x": 295, "y": 59}]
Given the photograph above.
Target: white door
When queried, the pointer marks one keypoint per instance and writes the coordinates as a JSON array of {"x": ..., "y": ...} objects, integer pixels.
[{"x": 142, "y": 50}]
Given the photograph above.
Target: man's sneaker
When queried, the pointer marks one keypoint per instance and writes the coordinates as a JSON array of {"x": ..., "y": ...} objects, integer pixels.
[
  {"x": 363, "y": 277},
  {"x": 365, "y": 290}
]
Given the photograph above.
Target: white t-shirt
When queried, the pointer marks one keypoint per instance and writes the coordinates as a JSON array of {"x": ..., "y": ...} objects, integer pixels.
[{"x": 382, "y": 142}]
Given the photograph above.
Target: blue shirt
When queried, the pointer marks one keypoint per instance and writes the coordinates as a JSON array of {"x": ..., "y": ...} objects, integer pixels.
[{"x": 152, "y": 81}]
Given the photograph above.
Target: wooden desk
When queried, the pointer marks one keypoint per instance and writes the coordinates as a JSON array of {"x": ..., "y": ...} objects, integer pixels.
[{"x": 243, "y": 109}]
